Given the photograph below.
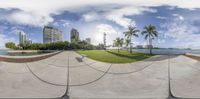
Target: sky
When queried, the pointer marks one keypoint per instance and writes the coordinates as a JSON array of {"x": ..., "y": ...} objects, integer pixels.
[{"x": 177, "y": 21}]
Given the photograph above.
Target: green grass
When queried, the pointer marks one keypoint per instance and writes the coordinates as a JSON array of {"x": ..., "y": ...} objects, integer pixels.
[{"x": 112, "y": 56}]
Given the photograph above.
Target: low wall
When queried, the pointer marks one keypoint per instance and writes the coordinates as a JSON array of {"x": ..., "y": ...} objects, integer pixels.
[
  {"x": 193, "y": 56},
  {"x": 23, "y": 59},
  {"x": 28, "y": 51}
]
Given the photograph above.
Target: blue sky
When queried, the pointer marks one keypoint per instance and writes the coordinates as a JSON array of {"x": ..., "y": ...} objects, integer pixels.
[{"x": 177, "y": 21}]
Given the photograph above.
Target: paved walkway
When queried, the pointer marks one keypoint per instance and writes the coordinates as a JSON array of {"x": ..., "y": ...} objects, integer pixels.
[{"x": 91, "y": 79}]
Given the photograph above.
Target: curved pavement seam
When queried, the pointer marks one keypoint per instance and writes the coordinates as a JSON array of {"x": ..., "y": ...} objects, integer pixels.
[
  {"x": 42, "y": 79},
  {"x": 65, "y": 84},
  {"x": 93, "y": 80},
  {"x": 62, "y": 66},
  {"x": 171, "y": 95},
  {"x": 121, "y": 73}
]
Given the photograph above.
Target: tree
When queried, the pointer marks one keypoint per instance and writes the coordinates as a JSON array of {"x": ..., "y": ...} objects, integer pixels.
[
  {"x": 127, "y": 42},
  {"x": 150, "y": 33},
  {"x": 100, "y": 46},
  {"x": 10, "y": 45},
  {"x": 118, "y": 42},
  {"x": 132, "y": 32}
]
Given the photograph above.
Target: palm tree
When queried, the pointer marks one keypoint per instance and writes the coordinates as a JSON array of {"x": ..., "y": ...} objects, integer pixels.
[
  {"x": 150, "y": 33},
  {"x": 118, "y": 42},
  {"x": 127, "y": 42},
  {"x": 132, "y": 31}
]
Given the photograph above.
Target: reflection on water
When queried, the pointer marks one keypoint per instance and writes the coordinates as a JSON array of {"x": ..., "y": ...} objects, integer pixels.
[{"x": 3, "y": 52}]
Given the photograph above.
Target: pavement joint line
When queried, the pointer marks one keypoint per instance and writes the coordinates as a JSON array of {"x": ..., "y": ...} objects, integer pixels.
[
  {"x": 93, "y": 80},
  {"x": 65, "y": 84},
  {"x": 90, "y": 81},
  {"x": 76, "y": 66},
  {"x": 171, "y": 95},
  {"x": 42, "y": 79},
  {"x": 66, "y": 94},
  {"x": 70, "y": 66},
  {"x": 123, "y": 72}
]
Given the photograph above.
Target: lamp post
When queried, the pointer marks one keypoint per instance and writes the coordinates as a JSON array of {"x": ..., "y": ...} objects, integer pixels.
[{"x": 104, "y": 40}]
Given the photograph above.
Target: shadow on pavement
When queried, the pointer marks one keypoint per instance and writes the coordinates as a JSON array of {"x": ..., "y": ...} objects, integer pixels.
[{"x": 79, "y": 59}]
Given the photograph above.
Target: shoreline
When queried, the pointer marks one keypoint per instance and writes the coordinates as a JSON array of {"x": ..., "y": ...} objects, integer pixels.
[{"x": 193, "y": 56}]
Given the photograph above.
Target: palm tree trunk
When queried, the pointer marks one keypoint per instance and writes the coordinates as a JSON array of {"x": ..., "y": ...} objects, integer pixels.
[
  {"x": 130, "y": 46},
  {"x": 150, "y": 45},
  {"x": 118, "y": 49}
]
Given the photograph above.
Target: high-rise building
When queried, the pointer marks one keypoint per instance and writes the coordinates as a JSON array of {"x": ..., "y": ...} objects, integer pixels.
[
  {"x": 139, "y": 46},
  {"x": 51, "y": 34},
  {"x": 88, "y": 40},
  {"x": 22, "y": 38},
  {"x": 29, "y": 41},
  {"x": 149, "y": 46},
  {"x": 74, "y": 35}
]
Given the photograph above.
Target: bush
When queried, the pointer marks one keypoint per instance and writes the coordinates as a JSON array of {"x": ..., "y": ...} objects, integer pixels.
[
  {"x": 10, "y": 45},
  {"x": 56, "y": 46}
]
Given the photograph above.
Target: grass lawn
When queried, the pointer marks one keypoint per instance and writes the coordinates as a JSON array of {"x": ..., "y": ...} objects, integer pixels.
[{"x": 112, "y": 56}]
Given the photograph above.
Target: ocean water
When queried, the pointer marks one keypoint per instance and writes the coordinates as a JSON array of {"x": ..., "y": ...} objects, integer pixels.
[
  {"x": 169, "y": 51},
  {"x": 3, "y": 52}
]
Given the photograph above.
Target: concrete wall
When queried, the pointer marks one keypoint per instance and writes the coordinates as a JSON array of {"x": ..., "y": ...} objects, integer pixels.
[{"x": 22, "y": 59}]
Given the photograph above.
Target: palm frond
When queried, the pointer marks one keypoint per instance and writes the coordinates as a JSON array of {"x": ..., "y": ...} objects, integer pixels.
[
  {"x": 144, "y": 32},
  {"x": 136, "y": 35},
  {"x": 146, "y": 36}
]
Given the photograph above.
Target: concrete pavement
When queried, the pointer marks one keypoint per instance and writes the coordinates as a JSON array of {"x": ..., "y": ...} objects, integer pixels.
[
  {"x": 47, "y": 78},
  {"x": 185, "y": 79}
]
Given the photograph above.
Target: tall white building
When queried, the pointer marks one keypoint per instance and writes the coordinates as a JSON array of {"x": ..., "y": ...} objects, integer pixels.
[
  {"x": 29, "y": 41},
  {"x": 22, "y": 38},
  {"x": 51, "y": 34}
]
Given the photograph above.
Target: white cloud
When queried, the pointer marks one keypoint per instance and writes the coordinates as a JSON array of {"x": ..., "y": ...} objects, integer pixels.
[
  {"x": 183, "y": 33},
  {"x": 119, "y": 16},
  {"x": 161, "y": 41},
  {"x": 61, "y": 23},
  {"x": 178, "y": 16},
  {"x": 161, "y": 17},
  {"x": 111, "y": 34},
  {"x": 39, "y": 12},
  {"x": 27, "y": 18},
  {"x": 88, "y": 17},
  {"x": 96, "y": 32},
  {"x": 4, "y": 39}
]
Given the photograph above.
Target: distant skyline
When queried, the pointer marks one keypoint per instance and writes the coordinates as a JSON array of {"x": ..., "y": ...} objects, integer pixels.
[{"x": 177, "y": 21}]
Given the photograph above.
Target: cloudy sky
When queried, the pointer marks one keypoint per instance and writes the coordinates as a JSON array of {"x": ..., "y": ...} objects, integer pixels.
[{"x": 177, "y": 21}]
